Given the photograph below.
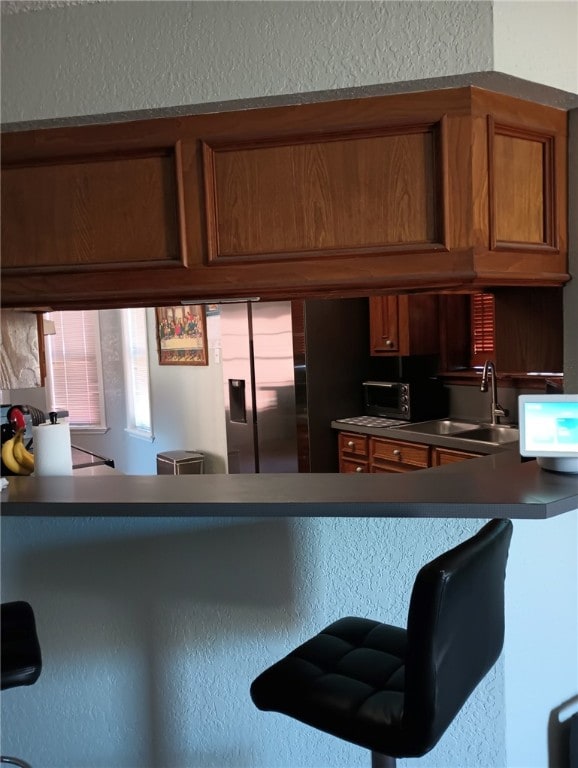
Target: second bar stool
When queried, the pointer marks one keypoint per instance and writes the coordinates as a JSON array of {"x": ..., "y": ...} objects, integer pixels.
[{"x": 392, "y": 690}]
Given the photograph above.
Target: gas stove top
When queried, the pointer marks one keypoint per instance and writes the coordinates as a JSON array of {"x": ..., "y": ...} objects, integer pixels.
[{"x": 371, "y": 421}]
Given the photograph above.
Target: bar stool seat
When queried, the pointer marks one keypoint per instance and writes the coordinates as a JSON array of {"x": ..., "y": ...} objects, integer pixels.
[{"x": 393, "y": 690}]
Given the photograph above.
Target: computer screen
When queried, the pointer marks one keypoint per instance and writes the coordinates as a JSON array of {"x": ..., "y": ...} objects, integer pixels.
[{"x": 548, "y": 425}]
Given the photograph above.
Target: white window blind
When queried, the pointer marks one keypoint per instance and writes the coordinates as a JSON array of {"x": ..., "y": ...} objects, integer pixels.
[
  {"x": 136, "y": 372},
  {"x": 74, "y": 369}
]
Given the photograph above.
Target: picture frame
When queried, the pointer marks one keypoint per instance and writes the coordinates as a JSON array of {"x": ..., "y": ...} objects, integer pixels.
[{"x": 182, "y": 335}]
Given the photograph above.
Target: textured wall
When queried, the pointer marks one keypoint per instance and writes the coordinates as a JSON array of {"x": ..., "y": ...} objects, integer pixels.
[
  {"x": 130, "y": 55},
  {"x": 153, "y": 630}
]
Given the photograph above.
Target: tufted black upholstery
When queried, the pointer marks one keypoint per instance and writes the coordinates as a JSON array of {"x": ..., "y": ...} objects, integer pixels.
[
  {"x": 392, "y": 690},
  {"x": 21, "y": 659}
]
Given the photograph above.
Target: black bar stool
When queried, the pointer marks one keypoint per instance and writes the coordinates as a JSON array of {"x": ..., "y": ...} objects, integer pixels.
[
  {"x": 20, "y": 650},
  {"x": 395, "y": 691}
]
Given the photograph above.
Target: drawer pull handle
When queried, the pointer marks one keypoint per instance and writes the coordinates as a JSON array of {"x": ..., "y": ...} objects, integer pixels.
[
  {"x": 351, "y": 444},
  {"x": 359, "y": 469},
  {"x": 388, "y": 342},
  {"x": 396, "y": 452}
]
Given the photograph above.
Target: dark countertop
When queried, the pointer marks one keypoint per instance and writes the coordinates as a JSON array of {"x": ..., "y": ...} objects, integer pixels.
[{"x": 498, "y": 485}]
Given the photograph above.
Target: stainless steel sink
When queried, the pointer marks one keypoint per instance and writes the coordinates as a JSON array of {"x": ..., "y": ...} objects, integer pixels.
[
  {"x": 494, "y": 434},
  {"x": 440, "y": 427}
]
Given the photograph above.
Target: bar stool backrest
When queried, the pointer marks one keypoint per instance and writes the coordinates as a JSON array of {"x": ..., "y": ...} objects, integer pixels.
[
  {"x": 455, "y": 630},
  {"x": 20, "y": 649}
]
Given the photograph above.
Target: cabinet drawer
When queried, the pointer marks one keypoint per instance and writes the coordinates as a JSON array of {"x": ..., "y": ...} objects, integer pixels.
[
  {"x": 351, "y": 444},
  {"x": 389, "y": 468},
  {"x": 351, "y": 465},
  {"x": 442, "y": 456},
  {"x": 414, "y": 455}
]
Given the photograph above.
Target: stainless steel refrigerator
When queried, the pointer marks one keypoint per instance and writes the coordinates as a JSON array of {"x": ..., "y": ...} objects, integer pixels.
[{"x": 289, "y": 369}]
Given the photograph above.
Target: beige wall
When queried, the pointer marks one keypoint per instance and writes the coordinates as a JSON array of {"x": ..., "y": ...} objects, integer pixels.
[{"x": 538, "y": 41}]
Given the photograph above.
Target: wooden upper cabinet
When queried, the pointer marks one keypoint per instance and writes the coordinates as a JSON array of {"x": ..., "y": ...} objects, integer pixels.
[
  {"x": 90, "y": 212},
  {"x": 324, "y": 195},
  {"x": 529, "y": 329},
  {"x": 384, "y": 324},
  {"x": 403, "y": 325},
  {"x": 520, "y": 201},
  {"x": 448, "y": 189}
]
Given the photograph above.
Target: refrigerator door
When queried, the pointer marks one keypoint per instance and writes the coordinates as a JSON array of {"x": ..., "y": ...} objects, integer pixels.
[
  {"x": 238, "y": 383},
  {"x": 258, "y": 372},
  {"x": 274, "y": 387}
]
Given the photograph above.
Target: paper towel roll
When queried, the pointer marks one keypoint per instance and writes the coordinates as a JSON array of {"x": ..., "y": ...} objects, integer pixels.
[{"x": 52, "y": 451}]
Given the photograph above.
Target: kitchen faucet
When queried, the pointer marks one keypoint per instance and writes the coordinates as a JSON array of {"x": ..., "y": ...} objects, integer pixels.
[{"x": 496, "y": 408}]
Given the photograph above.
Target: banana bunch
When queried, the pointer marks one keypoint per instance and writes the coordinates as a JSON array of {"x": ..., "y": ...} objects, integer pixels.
[{"x": 16, "y": 457}]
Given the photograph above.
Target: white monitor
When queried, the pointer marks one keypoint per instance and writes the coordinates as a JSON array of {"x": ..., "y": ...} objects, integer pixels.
[{"x": 548, "y": 426}]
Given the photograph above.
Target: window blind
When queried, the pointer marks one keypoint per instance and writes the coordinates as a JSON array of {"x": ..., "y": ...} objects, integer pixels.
[
  {"x": 74, "y": 370},
  {"x": 482, "y": 327}
]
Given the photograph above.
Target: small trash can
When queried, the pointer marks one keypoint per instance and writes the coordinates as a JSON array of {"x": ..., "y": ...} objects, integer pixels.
[{"x": 180, "y": 463}]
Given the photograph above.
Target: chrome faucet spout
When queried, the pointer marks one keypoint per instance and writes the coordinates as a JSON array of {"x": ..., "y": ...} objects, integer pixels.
[
  {"x": 488, "y": 366},
  {"x": 496, "y": 409}
]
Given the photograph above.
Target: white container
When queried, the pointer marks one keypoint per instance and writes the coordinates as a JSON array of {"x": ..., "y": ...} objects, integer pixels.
[{"x": 52, "y": 449}]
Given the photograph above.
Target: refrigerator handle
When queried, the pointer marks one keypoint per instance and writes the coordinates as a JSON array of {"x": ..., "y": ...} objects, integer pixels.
[{"x": 237, "y": 408}]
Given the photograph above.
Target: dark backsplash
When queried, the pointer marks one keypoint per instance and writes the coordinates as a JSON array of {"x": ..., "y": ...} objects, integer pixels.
[{"x": 402, "y": 368}]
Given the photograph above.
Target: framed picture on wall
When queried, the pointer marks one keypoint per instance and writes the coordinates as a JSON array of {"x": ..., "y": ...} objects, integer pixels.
[{"x": 182, "y": 335}]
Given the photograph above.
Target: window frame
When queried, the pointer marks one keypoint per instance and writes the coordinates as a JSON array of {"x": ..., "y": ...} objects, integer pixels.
[{"x": 128, "y": 318}]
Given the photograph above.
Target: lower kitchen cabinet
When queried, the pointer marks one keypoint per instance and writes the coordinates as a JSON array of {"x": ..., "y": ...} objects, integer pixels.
[
  {"x": 362, "y": 453},
  {"x": 441, "y": 456},
  {"x": 353, "y": 465},
  {"x": 389, "y": 468},
  {"x": 397, "y": 456},
  {"x": 353, "y": 456}
]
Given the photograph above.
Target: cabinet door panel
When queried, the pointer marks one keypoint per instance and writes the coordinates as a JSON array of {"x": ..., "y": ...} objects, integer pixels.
[
  {"x": 334, "y": 194},
  {"x": 384, "y": 324},
  {"x": 87, "y": 213},
  {"x": 403, "y": 325},
  {"x": 520, "y": 214}
]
